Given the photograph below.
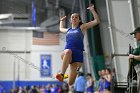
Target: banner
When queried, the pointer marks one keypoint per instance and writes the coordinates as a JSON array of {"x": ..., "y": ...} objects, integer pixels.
[
  {"x": 45, "y": 69},
  {"x": 33, "y": 14}
]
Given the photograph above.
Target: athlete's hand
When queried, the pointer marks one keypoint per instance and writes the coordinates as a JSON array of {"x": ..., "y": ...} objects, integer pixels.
[
  {"x": 63, "y": 18},
  {"x": 91, "y": 7}
]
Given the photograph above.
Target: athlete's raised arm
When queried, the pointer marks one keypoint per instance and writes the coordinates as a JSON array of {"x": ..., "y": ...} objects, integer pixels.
[
  {"x": 62, "y": 24},
  {"x": 94, "y": 22}
]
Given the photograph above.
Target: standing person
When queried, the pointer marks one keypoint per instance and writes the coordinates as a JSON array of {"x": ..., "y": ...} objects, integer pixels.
[
  {"x": 97, "y": 82},
  {"x": 108, "y": 80},
  {"x": 90, "y": 84},
  {"x": 136, "y": 56},
  {"x": 80, "y": 83},
  {"x": 73, "y": 52},
  {"x": 102, "y": 82},
  {"x": 65, "y": 88}
]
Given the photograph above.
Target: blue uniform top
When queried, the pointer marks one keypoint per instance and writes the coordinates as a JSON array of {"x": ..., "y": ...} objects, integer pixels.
[
  {"x": 91, "y": 88},
  {"x": 74, "y": 39},
  {"x": 107, "y": 85},
  {"x": 101, "y": 86}
]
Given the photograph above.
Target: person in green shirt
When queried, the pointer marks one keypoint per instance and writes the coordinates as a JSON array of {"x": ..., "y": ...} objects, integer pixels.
[{"x": 135, "y": 56}]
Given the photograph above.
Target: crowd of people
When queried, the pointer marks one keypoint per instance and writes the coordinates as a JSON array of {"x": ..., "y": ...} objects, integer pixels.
[
  {"x": 90, "y": 85},
  {"x": 104, "y": 83},
  {"x": 50, "y": 88},
  {"x": 84, "y": 83}
]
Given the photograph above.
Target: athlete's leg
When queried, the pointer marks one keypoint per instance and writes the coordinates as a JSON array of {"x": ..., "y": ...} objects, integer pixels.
[
  {"x": 73, "y": 72},
  {"x": 66, "y": 59}
]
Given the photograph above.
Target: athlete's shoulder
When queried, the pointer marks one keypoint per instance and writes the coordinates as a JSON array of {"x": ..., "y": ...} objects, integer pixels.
[{"x": 69, "y": 29}]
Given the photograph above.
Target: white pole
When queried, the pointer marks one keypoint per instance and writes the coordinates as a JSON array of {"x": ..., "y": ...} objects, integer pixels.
[
  {"x": 132, "y": 19},
  {"x": 131, "y": 13},
  {"x": 73, "y": 5},
  {"x": 111, "y": 37}
]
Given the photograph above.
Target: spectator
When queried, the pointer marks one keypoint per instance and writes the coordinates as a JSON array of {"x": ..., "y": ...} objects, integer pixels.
[
  {"x": 97, "y": 82},
  {"x": 90, "y": 83},
  {"x": 12, "y": 90},
  {"x": 54, "y": 88},
  {"x": 108, "y": 79},
  {"x": 80, "y": 83},
  {"x": 65, "y": 88},
  {"x": 34, "y": 89},
  {"x": 48, "y": 89},
  {"x": 135, "y": 57},
  {"x": 102, "y": 82}
]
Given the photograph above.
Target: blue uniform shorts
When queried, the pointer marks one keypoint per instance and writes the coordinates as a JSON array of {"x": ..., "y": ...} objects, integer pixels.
[{"x": 77, "y": 55}]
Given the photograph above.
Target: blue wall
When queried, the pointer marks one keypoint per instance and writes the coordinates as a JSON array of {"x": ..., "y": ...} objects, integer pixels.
[{"x": 9, "y": 84}]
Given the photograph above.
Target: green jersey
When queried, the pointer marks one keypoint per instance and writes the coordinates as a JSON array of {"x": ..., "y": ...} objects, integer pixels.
[{"x": 136, "y": 52}]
